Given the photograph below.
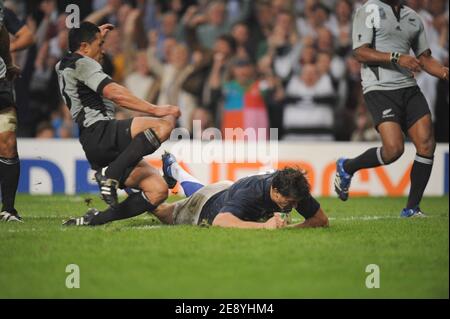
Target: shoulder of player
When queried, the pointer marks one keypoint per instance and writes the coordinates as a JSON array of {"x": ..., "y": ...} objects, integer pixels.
[
  {"x": 245, "y": 193},
  {"x": 85, "y": 62},
  {"x": 412, "y": 14},
  {"x": 362, "y": 11},
  {"x": 12, "y": 21},
  {"x": 8, "y": 13},
  {"x": 68, "y": 61},
  {"x": 85, "y": 66},
  {"x": 368, "y": 3},
  {"x": 410, "y": 11}
]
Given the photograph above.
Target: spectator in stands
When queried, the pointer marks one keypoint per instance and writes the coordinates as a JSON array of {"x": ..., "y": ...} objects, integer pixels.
[
  {"x": 309, "y": 106},
  {"x": 62, "y": 123},
  {"x": 316, "y": 16},
  {"x": 45, "y": 130},
  {"x": 284, "y": 46},
  {"x": 240, "y": 99},
  {"x": 364, "y": 130},
  {"x": 107, "y": 14},
  {"x": 281, "y": 37},
  {"x": 141, "y": 82},
  {"x": 211, "y": 66},
  {"x": 343, "y": 30},
  {"x": 260, "y": 24},
  {"x": 240, "y": 33},
  {"x": 214, "y": 22},
  {"x": 169, "y": 29},
  {"x": 114, "y": 51}
]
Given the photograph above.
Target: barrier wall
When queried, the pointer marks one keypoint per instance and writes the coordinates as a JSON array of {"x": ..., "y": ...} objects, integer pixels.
[{"x": 59, "y": 166}]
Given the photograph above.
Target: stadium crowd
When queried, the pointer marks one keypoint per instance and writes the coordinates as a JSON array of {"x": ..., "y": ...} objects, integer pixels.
[{"x": 286, "y": 64}]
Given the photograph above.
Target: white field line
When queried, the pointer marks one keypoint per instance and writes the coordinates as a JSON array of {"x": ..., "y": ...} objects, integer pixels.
[
  {"x": 151, "y": 227},
  {"x": 373, "y": 217}
]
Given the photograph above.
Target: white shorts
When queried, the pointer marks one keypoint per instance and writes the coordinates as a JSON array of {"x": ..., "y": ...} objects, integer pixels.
[
  {"x": 187, "y": 211},
  {"x": 8, "y": 120}
]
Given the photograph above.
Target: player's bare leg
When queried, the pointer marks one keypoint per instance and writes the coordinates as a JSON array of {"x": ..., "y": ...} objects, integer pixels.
[
  {"x": 9, "y": 164},
  {"x": 164, "y": 213},
  {"x": 147, "y": 135},
  {"x": 422, "y": 135},
  {"x": 153, "y": 192},
  {"x": 392, "y": 149}
]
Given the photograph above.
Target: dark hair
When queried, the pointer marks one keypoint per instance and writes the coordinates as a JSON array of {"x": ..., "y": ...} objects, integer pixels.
[
  {"x": 291, "y": 182},
  {"x": 230, "y": 40},
  {"x": 85, "y": 33},
  {"x": 321, "y": 6}
]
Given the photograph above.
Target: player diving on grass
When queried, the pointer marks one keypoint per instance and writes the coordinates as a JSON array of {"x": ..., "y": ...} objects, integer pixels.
[
  {"x": 115, "y": 149},
  {"x": 384, "y": 32},
  {"x": 259, "y": 201}
]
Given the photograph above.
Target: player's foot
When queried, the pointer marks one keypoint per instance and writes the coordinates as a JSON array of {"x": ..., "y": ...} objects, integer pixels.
[
  {"x": 412, "y": 212},
  {"x": 342, "y": 180},
  {"x": 12, "y": 216},
  {"x": 108, "y": 188},
  {"x": 82, "y": 221},
  {"x": 168, "y": 159}
]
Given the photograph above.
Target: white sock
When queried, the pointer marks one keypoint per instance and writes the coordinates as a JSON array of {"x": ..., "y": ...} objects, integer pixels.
[{"x": 181, "y": 175}]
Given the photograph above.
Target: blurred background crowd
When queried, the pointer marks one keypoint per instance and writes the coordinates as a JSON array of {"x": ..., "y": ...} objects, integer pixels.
[{"x": 284, "y": 64}]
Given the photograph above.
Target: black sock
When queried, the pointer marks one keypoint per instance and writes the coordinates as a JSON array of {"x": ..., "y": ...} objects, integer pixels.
[
  {"x": 9, "y": 178},
  {"x": 420, "y": 174},
  {"x": 143, "y": 144},
  {"x": 134, "y": 205},
  {"x": 370, "y": 158}
]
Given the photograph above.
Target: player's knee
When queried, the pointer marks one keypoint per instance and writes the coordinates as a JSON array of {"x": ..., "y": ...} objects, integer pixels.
[
  {"x": 392, "y": 152},
  {"x": 427, "y": 147},
  {"x": 157, "y": 192},
  {"x": 8, "y": 148}
]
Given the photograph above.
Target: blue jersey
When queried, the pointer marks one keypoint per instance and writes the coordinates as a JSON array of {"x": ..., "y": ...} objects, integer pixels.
[{"x": 249, "y": 199}]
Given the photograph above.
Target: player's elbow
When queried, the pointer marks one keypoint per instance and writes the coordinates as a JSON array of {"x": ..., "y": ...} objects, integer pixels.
[
  {"x": 323, "y": 221},
  {"x": 30, "y": 38},
  {"x": 223, "y": 220},
  {"x": 26, "y": 37},
  {"x": 114, "y": 92},
  {"x": 320, "y": 219},
  {"x": 357, "y": 55},
  {"x": 360, "y": 54}
]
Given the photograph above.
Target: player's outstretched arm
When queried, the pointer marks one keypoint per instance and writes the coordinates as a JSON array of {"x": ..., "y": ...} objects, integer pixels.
[
  {"x": 432, "y": 66},
  {"x": 23, "y": 39},
  {"x": 318, "y": 220},
  {"x": 123, "y": 97},
  {"x": 366, "y": 55},
  {"x": 228, "y": 220}
]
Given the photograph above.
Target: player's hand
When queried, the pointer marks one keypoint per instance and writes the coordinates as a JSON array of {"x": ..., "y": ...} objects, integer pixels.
[
  {"x": 445, "y": 74},
  {"x": 105, "y": 28},
  {"x": 170, "y": 110},
  {"x": 410, "y": 63},
  {"x": 277, "y": 221}
]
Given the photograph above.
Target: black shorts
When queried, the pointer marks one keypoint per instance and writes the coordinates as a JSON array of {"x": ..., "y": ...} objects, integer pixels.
[
  {"x": 7, "y": 97},
  {"x": 103, "y": 141},
  {"x": 404, "y": 106}
]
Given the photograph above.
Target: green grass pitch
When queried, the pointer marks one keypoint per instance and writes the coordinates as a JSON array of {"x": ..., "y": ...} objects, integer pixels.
[{"x": 139, "y": 258}]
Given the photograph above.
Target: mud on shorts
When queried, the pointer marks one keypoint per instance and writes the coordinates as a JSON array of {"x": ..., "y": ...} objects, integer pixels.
[
  {"x": 187, "y": 211},
  {"x": 8, "y": 120},
  {"x": 8, "y": 115}
]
